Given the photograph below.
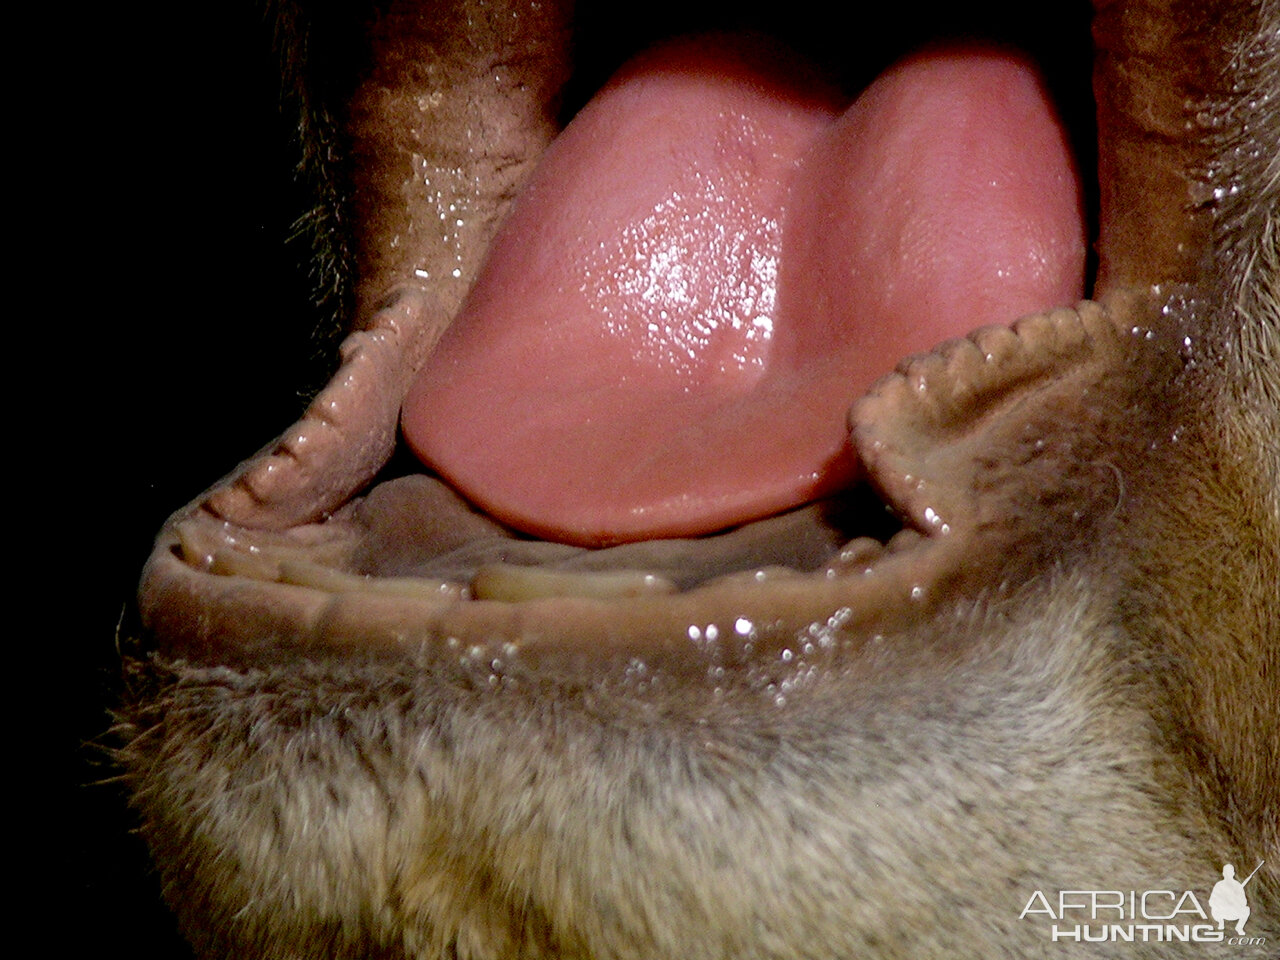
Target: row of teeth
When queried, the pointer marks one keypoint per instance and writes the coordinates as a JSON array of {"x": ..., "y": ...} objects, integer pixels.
[{"x": 225, "y": 550}]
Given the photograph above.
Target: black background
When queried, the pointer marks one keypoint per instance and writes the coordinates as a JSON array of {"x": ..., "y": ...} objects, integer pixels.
[{"x": 182, "y": 312}]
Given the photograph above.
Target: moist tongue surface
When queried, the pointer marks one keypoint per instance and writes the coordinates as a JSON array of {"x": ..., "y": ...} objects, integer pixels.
[{"x": 710, "y": 265}]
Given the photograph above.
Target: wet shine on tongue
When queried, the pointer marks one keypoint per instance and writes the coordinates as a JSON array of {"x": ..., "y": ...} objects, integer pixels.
[{"x": 710, "y": 265}]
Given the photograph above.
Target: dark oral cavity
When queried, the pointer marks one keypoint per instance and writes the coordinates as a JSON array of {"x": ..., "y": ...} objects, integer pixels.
[{"x": 711, "y": 264}]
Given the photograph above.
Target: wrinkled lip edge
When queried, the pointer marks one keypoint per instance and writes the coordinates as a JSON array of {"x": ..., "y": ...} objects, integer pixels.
[{"x": 199, "y": 613}]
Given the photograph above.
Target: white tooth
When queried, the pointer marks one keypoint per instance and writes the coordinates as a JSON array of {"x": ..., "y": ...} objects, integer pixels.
[
  {"x": 512, "y": 584},
  {"x": 855, "y": 556},
  {"x": 417, "y": 587},
  {"x": 229, "y": 562},
  {"x": 197, "y": 550},
  {"x": 223, "y": 548},
  {"x": 205, "y": 544},
  {"x": 304, "y": 574},
  {"x": 759, "y": 575}
]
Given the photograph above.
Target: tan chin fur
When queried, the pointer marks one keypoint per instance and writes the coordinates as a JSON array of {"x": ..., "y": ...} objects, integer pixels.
[{"x": 337, "y": 810}]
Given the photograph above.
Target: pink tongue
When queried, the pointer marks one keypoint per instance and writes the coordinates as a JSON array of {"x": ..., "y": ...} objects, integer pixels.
[{"x": 710, "y": 265}]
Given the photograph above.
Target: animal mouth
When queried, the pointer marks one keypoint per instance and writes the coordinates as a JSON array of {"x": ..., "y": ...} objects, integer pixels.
[{"x": 336, "y": 542}]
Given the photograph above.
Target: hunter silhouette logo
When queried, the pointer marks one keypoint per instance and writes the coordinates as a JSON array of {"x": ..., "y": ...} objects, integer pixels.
[
  {"x": 1228, "y": 902},
  {"x": 1144, "y": 916}
]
